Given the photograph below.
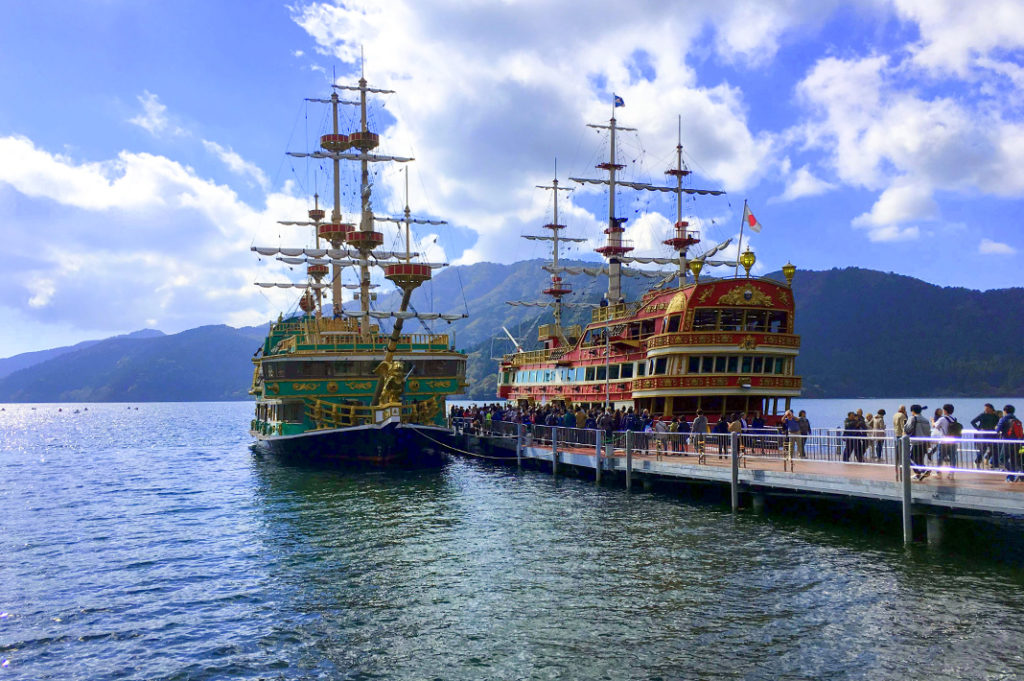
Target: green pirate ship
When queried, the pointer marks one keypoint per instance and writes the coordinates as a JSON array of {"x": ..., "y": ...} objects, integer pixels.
[{"x": 339, "y": 387}]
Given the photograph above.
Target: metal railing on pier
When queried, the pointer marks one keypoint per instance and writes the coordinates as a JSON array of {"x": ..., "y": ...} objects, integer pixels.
[{"x": 974, "y": 451}]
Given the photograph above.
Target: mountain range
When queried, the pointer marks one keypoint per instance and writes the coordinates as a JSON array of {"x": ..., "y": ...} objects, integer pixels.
[{"x": 864, "y": 334}]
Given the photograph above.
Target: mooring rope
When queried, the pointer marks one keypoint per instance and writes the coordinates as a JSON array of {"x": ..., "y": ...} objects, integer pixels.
[{"x": 462, "y": 451}]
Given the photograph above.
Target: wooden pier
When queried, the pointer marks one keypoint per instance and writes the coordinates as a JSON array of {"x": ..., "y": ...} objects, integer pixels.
[{"x": 753, "y": 476}]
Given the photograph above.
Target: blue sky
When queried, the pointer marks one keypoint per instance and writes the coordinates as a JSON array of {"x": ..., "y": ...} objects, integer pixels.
[{"x": 142, "y": 143}]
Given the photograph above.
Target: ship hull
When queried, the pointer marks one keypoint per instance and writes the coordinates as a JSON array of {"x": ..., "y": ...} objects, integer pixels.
[{"x": 388, "y": 445}]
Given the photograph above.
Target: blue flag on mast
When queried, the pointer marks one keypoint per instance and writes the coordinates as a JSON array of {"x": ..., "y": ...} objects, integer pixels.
[{"x": 618, "y": 100}]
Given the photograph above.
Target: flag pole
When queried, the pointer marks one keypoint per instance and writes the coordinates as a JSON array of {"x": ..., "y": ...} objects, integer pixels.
[{"x": 739, "y": 246}]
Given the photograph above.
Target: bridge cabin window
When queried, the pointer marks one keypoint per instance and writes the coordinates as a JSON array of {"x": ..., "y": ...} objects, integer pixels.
[
  {"x": 731, "y": 320},
  {"x": 736, "y": 319},
  {"x": 755, "y": 320},
  {"x": 626, "y": 371},
  {"x": 672, "y": 323},
  {"x": 613, "y": 372},
  {"x": 641, "y": 369},
  {"x": 590, "y": 373},
  {"x": 705, "y": 319}
]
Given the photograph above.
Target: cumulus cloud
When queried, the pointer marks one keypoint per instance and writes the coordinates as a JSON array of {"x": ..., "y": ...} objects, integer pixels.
[
  {"x": 461, "y": 115},
  {"x": 237, "y": 164},
  {"x": 990, "y": 247},
  {"x": 882, "y": 135},
  {"x": 804, "y": 183},
  {"x": 154, "y": 118},
  {"x": 955, "y": 34},
  {"x": 141, "y": 238}
]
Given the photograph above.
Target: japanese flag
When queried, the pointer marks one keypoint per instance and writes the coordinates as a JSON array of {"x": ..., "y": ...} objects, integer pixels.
[{"x": 751, "y": 221}]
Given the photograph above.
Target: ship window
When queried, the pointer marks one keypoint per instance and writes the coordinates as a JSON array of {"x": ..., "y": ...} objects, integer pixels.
[
  {"x": 769, "y": 364},
  {"x": 646, "y": 328},
  {"x": 641, "y": 368},
  {"x": 613, "y": 372},
  {"x": 745, "y": 366},
  {"x": 777, "y": 322},
  {"x": 708, "y": 365},
  {"x": 694, "y": 367},
  {"x": 626, "y": 371},
  {"x": 731, "y": 368},
  {"x": 755, "y": 320},
  {"x": 294, "y": 412},
  {"x": 673, "y": 323},
  {"x": 780, "y": 366},
  {"x": 660, "y": 365},
  {"x": 720, "y": 364},
  {"x": 580, "y": 373},
  {"x": 758, "y": 364},
  {"x": 600, "y": 374},
  {"x": 590, "y": 373},
  {"x": 705, "y": 319},
  {"x": 731, "y": 320}
]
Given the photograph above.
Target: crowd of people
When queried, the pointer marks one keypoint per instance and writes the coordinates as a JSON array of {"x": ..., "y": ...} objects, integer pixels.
[
  {"x": 482, "y": 418},
  {"x": 934, "y": 444},
  {"x": 997, "y": 439}
]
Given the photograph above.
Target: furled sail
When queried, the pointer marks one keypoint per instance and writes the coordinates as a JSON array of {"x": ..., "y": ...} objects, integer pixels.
[{"x": 650, "y": 187}]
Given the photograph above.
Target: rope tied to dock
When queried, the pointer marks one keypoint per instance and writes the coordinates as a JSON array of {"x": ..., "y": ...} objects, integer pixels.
[{"x": 462, "y": 451}]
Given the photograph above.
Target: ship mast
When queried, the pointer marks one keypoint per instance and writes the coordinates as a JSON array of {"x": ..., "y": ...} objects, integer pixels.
[
  {"x": 683, "y": 238},
  {"x": 614, "y": 245},
  {"x": 558, "y": 288}
]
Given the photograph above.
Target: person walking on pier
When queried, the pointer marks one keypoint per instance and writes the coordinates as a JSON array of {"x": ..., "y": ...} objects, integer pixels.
[
  {"x": 899, "y": 420},
  {"x": 1009, "y": 428},
  {"x": 851, "y": 437},
  {"x": 877, "y": 428},
  {"x": 985, "y": 423},
  {"x": 607, "y": 423},
  {"x": 918, "y": 427},
  {"x": 805, "y": 432},
  {"x": 945, "y": 428},
  {"x": 699, "y": 429}
]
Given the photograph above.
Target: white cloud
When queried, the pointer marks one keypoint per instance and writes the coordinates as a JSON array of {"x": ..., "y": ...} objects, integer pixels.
[
  {"x": 990, "y": 247},
  {"x": 955, "y": 34},
  {"x": 881, "y": 135},
  {"x": 153, "y": 118},
  {"x": 142, "y": 238},
  {"x": 460, "y": 115},
  {"x": 237, "y": 164},
  {"x": 804, "y": 183},
  {"x": 298, "y": 53}
]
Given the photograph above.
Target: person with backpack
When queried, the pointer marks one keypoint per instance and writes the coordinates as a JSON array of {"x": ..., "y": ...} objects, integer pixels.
[
  {"x": 948, "y": 429},
  {"x": 1009, "y": 428},
  {"x": 918, "y": 427}
]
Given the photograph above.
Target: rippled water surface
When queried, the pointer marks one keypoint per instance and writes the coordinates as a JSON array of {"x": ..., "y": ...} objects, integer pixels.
[{"x": 150, "y": 543}]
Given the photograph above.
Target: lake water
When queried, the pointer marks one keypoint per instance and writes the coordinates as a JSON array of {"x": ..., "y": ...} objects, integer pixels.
[{"x": 148, "y": 542}]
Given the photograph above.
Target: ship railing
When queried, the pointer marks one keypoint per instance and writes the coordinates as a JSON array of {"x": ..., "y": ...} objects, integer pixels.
[
  {"x": 328, "y": 415},
  {"x": 602, "y": 314},
  {"x": 530, "y": 356}
]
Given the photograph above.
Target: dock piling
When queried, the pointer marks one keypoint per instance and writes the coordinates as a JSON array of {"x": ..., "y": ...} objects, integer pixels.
[
  {"x": 554, "y": 450},
  {"x": 629, "y": 461},
  {"x": 903, "y": 445},
  {"x": 735, "y": 482},
  {"x": 519, "y": 445},
  {"x": 597, "y": 461}
]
